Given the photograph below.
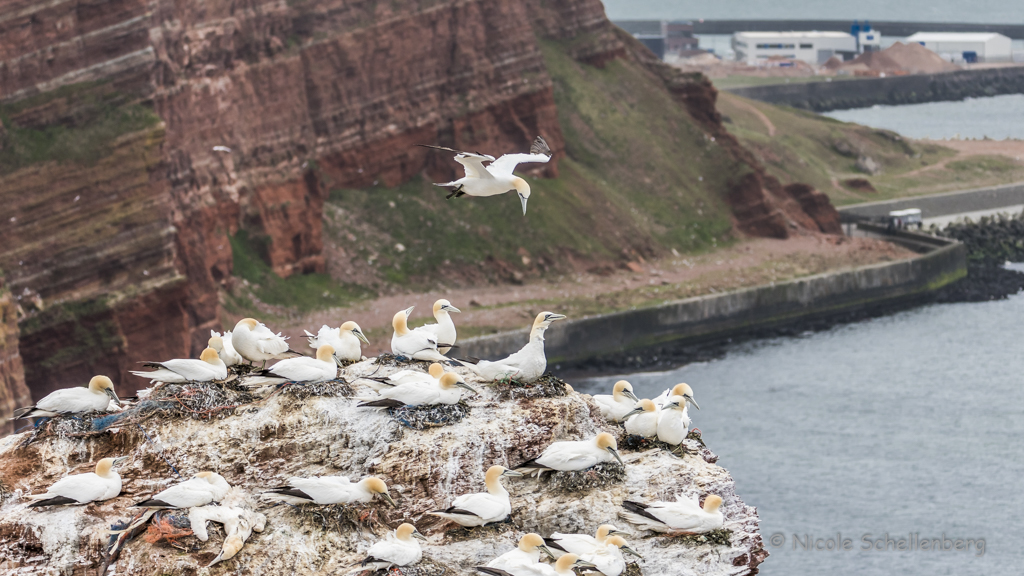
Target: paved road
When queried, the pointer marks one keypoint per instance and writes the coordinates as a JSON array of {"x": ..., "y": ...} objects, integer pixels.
[{"x": 949, "y": 203}]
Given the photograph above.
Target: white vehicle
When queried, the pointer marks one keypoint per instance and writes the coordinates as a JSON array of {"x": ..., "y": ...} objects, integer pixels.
[{"x": 902, "y": 219}]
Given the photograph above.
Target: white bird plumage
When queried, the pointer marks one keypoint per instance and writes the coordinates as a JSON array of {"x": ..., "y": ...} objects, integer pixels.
[
  {"x": 564, "y": 566},
  {"x": 444, "y": 331},
  {"x": 415, "y": 344},
  {"x": 617, "y": 404},
  {"x": 607, "y": 558},
  {"x": 673, "y": 421},
  {"x": 222, "y": 344},
  {"x": 209, "y": 367},
  {"x": 560, "y": 543},
  {"x": 202, "y": 489},
  {"x": 397, "y": 549},
  {"x": 95, "y": 397},
  {"x": 446, "y": 391},
  {"x": 684, "y": 516},
  {"x": 329, "y": 490},
  {"x": 302, "y": 370},
  {"x": 527, "y": 553},
  {"x": 681, "y": 389},
  {"x": 497, "y": 177},
  {"x": 482, "y": 508},
  {"x": 526, "y": 365},
  {"x": 257, "y": 343},
  {"x": 432, "y": 376},
  {"x": 103, "y": 484},
  {"x": 574, "y": 455},
  {"x": 642, "y": 420},
  {"x": 346, "y": 340}
]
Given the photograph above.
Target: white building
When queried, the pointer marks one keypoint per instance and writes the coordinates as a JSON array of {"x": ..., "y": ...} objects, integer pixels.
[
  {"x": 966, "y": 46},
  {"x": 755, "y": 48}
]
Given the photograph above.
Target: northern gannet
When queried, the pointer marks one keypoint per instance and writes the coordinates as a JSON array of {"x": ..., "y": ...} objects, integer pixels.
[
  {"x": 415, "y": 344},
  {"x": 345, "y": 340},
  {"x": 564, "y": 566},
  {"x": 329, "y": 490},
  {"x": 684, "y": 516},
  {"x": 497, "y": 177},
  {"x": 527, "y": 552},
  {"x": 619, "y": 403},
  {"x": 239, "y": 524},
  {"x": 526, "y": 365},
  {"x": 673, "y": 421},
  {"x": 608, "y": 559},
  {"x": 482, "y": 507},
  {"x": 683, "y": 390},
  {"x": 431, "y": 376},
  {"x": 103, "y": 484},
  {"x": 398, "y": 549},
  {"x": 446, "y": 391},
  {"x": 202, "y": 489},
  {"x": 444, "y": 330},
  {"x": 302, "y": 370},
  {"x": 209, "y": 367},
  {"x": 256, "y": 343},
  {"x": 574, "y": 455},
  {"x": 560, "y": 544},
  {"x": 95, "y": 397},
  {"x": 222, "y": 344},
  {"x": 642, "y": 420}
]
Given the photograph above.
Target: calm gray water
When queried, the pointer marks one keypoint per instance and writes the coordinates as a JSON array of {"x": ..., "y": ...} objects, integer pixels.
[
  {"x": 997, "y": 117},
  {"x": 984, "y": 11},
  {"x": 910, "y": 423}
]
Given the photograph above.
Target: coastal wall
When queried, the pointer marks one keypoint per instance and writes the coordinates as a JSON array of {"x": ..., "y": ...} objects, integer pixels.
[
  {"x": 717, "y": 317},
  {"x": 885, "y": 27},
  {"x": 893, "y": 90},
  {"x": 959, "y": 202}
]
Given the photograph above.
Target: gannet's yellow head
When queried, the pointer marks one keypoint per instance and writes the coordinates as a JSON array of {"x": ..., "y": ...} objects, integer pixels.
[
  {"x": 443, "y": 305},
  {"x": 210, "y": 477},
  {"x": 377, "y": 486},
  {"x": 435, "y": 370},
  {"x": 103, "y": 385},
  {"x": 407, "y": 531},
  {"x": 325, "y": 353},
  {"x": 606, "y": 441},
  {"x": 567, "y": 562},
  {"x": 496, "y": 472},
  {"x": 623, "y": 388},
  {"x": 686, "y": 392},
  {"x": 542, "y": 322},
  {"x": 711, "y": 503},
  {"x": 450, "y": 379},
  {"x": 620, "y": 543},
  {"x": 356, "y": 331},
  {"x": 247, "y": 323},
  {"x": 401, "y": 321},
  {"x": 209, "y": 356},
  {"x": 530, "y": 542},
  {"x": 643, "y": 405},
  {"x": 232, "y": 545},
  {"x": 606, "y": 530},
  {"x": 105, "y": 465},
  {"x": 523, "y": 189},
  {"x": 217, "y": 343},
  {"x": 675, "y": 403}
]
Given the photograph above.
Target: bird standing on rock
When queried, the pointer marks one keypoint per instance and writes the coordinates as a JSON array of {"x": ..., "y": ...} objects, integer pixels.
[
  {"x": 526, "y": 365},
  {"x": 683, "y": 390},
  {"x": 256, "y": 343},
  {"x": 619, "y": 403},
  {"x": 103, "y": 484},
  {"x": 482, "y": 508},
  {"x": 398, "y": 549},
  {"x": 415, "y": 344},
  {"x": 497, "y": 177},
  {"x": 95, "y": 397},
  {"x": 673, "y": 421},
  {"x": 222, "y": 344},
  {"x": 642, "y": 420},
  {"x": 444, "y": 330},
  {"x": 345, "y": 340}
]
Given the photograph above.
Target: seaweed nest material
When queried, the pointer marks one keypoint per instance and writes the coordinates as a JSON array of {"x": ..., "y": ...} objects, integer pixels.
[
  {"x": 632, "y": 569},
  {"x": 599, "y": 476},
  {"x": 340, "y": 517},
  {"x": 388, "y": 359},
  {"x": 463, "y": 533},
  {"x": 337, "y": 387},
  {"x": 425, "y": 567},
  {"x": 719, "y": 537},
  {"x": 547, "y": 386},
  {"x": 423, "y": 417}
]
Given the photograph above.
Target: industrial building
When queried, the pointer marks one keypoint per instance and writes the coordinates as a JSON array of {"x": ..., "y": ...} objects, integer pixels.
[
  {"x": 756, "y": 48},
  {"x": 662, "y": 37},
  {"x": 966, "y": 46}
]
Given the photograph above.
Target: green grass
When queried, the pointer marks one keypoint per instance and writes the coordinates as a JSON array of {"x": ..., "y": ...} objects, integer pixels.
[
  {"x": 300, "y": 292},
  {"x": 77, "y": 123}
]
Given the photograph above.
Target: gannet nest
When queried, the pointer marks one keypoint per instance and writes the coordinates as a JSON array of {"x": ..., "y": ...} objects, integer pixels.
[
  {"x": 393, "y": 361},
  {"x": 599, "y": 476},
  {"x": 337, "y": 387},
  {"x": 719, "y": 537},
  {"x": 423, "y": 417},
  {"x": 693, "y": 445},
  {"x": 172, "y": 527},
  {"x": 463, "y": 533},
  {"x": 425, "y": 567},
  {"x": 547, "y": 386},
  {"x": 340, "y": 517},
  {"x": 632, "y": 569}
]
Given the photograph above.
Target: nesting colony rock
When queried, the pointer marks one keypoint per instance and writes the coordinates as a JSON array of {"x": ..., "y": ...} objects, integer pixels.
[{"x": 260, "y": 445}]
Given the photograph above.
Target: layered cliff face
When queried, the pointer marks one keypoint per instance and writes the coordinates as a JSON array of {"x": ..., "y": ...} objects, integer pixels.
[
  {"x": 140, "y": 136},
  {"x": 13, "y": 391}
]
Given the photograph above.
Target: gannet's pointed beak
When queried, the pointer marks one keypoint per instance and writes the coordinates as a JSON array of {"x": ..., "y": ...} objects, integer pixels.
[
  {"x": 618, "y": 533},
  {"x": 632, "y": 412},
  {"x": 450, "y": 308},
  {"x": 408, "y": 311},
  {"x": 467, "y": 387},
  {"x": 417, "y": 534},
  {"x": 113, "y": 395},
  {"x": 629, "y": 394},
  {"x": 629, "y": 550},
  {"x": 691, "y": 401},
  {"x": 523, "y": 199},
  {"x": 362, "y": 337},
  {"x": 671, "y": 404},
  {"x": 547, "y": 551},
  {"x": 390, "y": 500},
  {"x": 512, "y": 473},
  {"x": 616, "y": 454},
  {"x": 118, "y": 460},
  {"x": 584, "y": 564}
]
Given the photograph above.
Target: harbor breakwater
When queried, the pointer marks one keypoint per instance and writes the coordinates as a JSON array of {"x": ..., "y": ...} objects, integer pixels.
[{"x": 891, "y": 90}]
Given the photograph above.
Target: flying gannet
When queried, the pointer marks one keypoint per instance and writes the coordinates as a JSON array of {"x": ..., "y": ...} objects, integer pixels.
[
  {"x": 673, "y": 421},
  {"x": 209, "y": 367},
  {"x": 256, "y": 343},
  {"x": 683, "y": 390},
  {"x": 619, "y": 403},
  {"x": 560, "y": 544},
  {"x": 303, "y": 370},
  {"x": 642, "y": 420},
  {"x": 444, "y": 330},
  {"x": 329, "y": 490},
  {"x": 345, "y": 340},
  {"x": 398, "y": 549},
  {"x": 431, "y": 376},
  {"x": 527, "y": 552},
  {"x": 103, "y": 484},
  {"x": 482, "y": 507},
  {"x": 684, "y": 516},
  {"x": 200, "y": 490},
  {"x": 95, "y": 397},
  {"x": 497, "y": 177},
  {"x": 222, "y": 344},
  {"x": 420, "y": 394},
  {"x": 526, "y": 365},
  {"x": 564, "y": 566},
  {"x": 415, "y": 344},
  {"x": 573, "y": 455},
  {"x": 608, "y": 559}
]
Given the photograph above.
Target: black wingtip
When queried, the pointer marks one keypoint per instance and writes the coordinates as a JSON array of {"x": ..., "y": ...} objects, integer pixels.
[
  {"x": 55, "y": 501},
  {"x": 289, "y": 491},
  {"x": 385, "y": 403},
  {"x": 553, "y": 544},
  {"x": 491, "y": 571},
  {"x": 152, "y": 503},
  {"x": 539, "y": 146},
  {"x": 468, "y": 360}
]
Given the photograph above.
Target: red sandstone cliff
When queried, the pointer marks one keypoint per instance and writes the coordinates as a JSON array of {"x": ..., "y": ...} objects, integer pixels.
[
  {"x": 128, "y": 249},
  {"x": 13, "y": 391}
]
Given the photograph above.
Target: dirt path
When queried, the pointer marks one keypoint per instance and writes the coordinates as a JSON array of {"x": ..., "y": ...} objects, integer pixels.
[
  {"x": 965, "y": 148},
  {"x": 739, "y": 103},
  {"x": 488, "y": 309}
]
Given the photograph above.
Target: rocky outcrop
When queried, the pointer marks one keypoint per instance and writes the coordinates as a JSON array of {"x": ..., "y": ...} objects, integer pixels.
[
  {"x": 263, "y": 443},
  {"x": 13, "y": 392}
]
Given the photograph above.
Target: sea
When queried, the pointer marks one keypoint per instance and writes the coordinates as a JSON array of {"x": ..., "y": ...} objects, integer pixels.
[
  {"x": 994, "y": 117},
  {"x": 860, "y": 443}
]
